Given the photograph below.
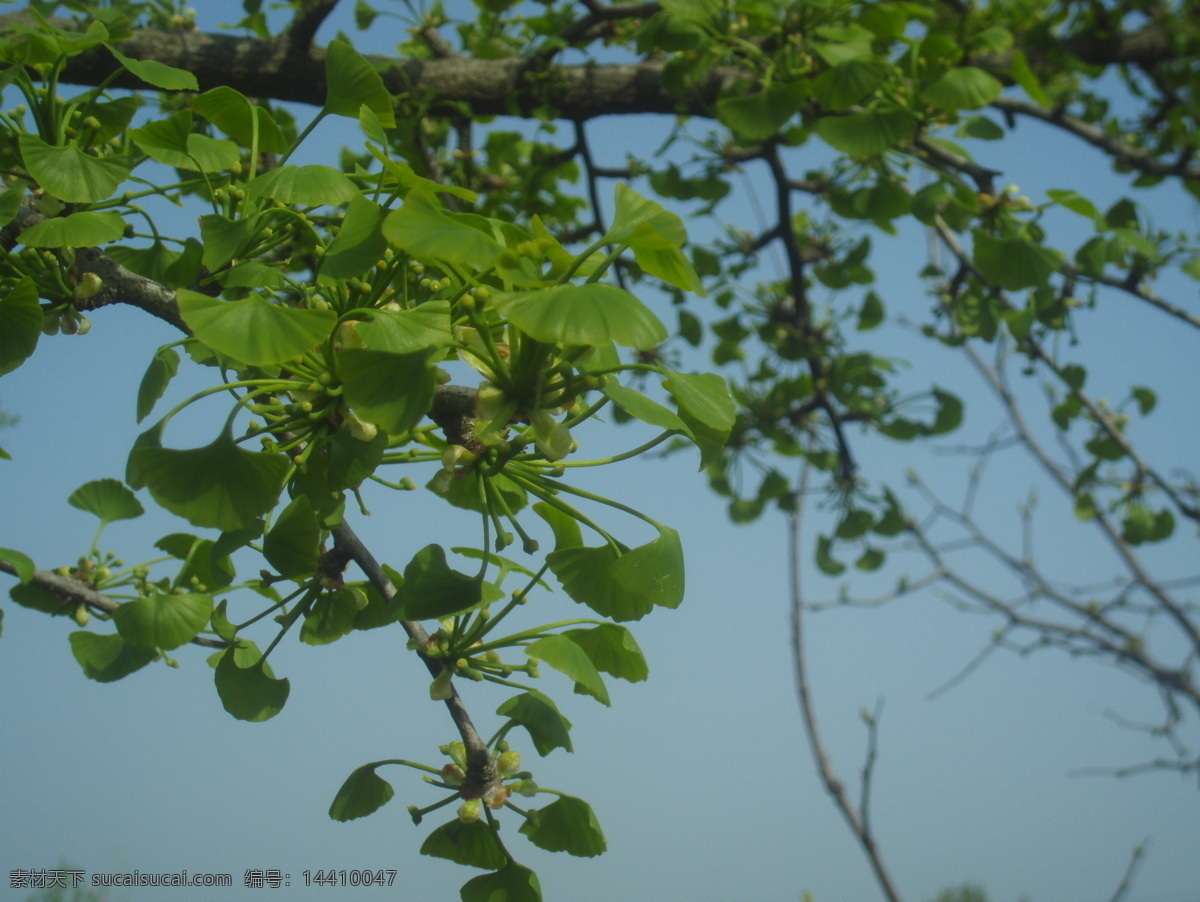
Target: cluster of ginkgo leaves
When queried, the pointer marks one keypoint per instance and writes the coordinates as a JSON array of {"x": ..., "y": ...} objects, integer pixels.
[{"x": 326, "y": 303}]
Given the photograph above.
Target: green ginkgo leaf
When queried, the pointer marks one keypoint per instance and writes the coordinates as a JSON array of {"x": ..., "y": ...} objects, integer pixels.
[
  {"x": 704, "y": 397},
  {"x": 512, "y": 883},
  {"x": 1014, "y": 263},
  {"x": 866, "y": 133},
  {"x": 849, "y": 82},
  {"x": 638, "y": 405},
  {"x": 293, "y": 543},
  {"x": 87, "y": 228},
  {"x": 108, "y": 658},
  {"x": 234, "y": 114},
  {"x": 626, "y": 584},
  {"x": 422, "y": 228},
  {"x": 220, "y": 485},
  {"x": 108, "y": 499},
  {"x": 70, "y": 174},
  {"x": 359, "y": 243},
  {"x": 163, "y": 621},
  {"x": 351, "y": 82},
  {"x": 561, "y": 653},
  {"x": 21, "y": 320},
  {"x": 641, "y": 220},
  {"x": 760, "y": 115},
  {"x": 154, "y": 384},
  {"x": 473, "y": 844},
  {"x": 538, "y": 714},
  {"x": 566, "y": 825},
  {"x": 160, "y": 75},
  {"x": 308, "y": 186},
  {"x": 393, "y": 391},
  {"x": 589, "y": 314},
  {"x": 432, "y": 590},
  {"x": 963, "y": 88},
  {"x": 250, "y": 692},
  {"x": 420, "y": 328},
  {"x": 612, "y": 648},
  {"x": 173, "y": 143},
  {"x": 254, "y": 330},
  {"x": 363, "y": 793},
  {"x": 20, "y": 562}
]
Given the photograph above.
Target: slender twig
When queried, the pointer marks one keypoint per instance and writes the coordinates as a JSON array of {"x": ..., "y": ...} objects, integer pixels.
[
  {"x": 481, "y": 771},
  {"x": 73, "y": 592},
  {"x": 1118, "y": 150},
  {"x": 857, "y": 820}
]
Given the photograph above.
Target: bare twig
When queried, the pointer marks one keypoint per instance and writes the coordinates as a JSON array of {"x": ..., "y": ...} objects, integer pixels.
[{"x": 858, "y": 821}]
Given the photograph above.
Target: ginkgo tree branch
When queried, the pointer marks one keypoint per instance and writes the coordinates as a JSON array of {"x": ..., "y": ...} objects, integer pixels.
[
  {"x": 481, "y": 771},
  {"x": 73, "y": 593},
  {"x": 857, "y": 818}
]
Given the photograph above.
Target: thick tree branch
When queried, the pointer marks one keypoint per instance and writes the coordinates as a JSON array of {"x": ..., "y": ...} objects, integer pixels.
[{"x": 271, "y": 69}]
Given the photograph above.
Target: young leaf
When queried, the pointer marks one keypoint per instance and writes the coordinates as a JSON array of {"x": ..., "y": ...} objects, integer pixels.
[
  {"x": 590, "y": 314},
  {"x": 540, "y": 716},
  {"x": 473, "y": 844},
  {"x": 332, "y": 616},
  {"x": 612, "y": 649},
  {"x": 162, "y": 369},
  {"x": 351, "y": 82},
  {"x": 253, "y": 330},
  {"x": 22, "y": 563},
  {"x": 1014, "y": 263},
  {"x": 623, "y": 586},
  {"x": 566, "y": 825},
  {"x": 293, "y": 543},
  {"x": 561, "y": 653},
  {"x": 163, "y": 621},
  {"x": 70, "y": 174},
  {"x": 21, "y": 320},
  {"x": 432, "y": 590},
  {"x": 704, "y": 397},
  {"x": 108, "y": 499},
  {"x": 760, "y": 115},
  {"x": 86, "y": 228},
  {"x": 645, "y": 221},
  {"x": 157, "y": 74},
  {"x": 359, "y": 243},
  {"x": 420, "y": 328},
  {"x": 306, "y": 186},
  {"x": 106, "y": 659},
  {"x": 423, "y": 228},
  {"x": 219, "y": 485},
  {"x": 867, "y": 133},
  {"x": 249, "y": 693},
  {"x": 963, "y": 88},
  {"x": 512, "y": 883},
  {"x": 393, "y": 391},
  {"x": 638, "y": 405},
  {"x": 363, "y": 793},
  {"x": 233, "y": 114}
]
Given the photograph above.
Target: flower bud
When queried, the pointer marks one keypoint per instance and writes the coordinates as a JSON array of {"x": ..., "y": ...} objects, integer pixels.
[
  {"x": 508, "y": 763},
  {"x": 470, "y": 811}
]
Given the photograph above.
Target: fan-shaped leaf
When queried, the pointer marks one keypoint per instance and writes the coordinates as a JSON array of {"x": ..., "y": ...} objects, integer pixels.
[
  {"x": 253, "y": 330},
  {"x": 163, "y": 621}
]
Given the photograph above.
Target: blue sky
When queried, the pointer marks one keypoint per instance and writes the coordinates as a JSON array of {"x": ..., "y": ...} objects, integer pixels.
[{"x": 700, "y": 777}]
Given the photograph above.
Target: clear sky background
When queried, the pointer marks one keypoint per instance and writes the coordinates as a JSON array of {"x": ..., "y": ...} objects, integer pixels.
[{"x": 701, "y": 777}]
